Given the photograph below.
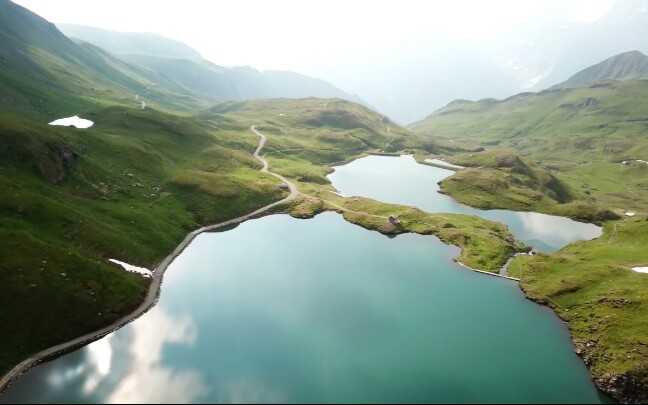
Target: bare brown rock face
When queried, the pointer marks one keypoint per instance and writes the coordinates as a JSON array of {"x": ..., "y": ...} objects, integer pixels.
[{"x": 61, "y": 158}]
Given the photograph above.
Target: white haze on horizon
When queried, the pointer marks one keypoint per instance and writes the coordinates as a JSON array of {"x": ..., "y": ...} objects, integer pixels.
[
  {"x": 378, "y": 49},
  {"x": 297, "y": 35}
]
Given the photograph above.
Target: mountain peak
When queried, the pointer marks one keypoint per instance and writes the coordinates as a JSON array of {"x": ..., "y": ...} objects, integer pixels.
[{"x": 625, "y": 66}]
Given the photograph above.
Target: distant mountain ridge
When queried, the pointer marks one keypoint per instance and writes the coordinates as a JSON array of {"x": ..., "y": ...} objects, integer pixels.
[
  {"x": 183, "y": 69},
  {"x": 626, "y": 66},
  {"x": 131, "y": 43}
]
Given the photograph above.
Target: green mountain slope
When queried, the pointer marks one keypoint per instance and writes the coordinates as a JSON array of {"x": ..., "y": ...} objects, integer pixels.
[
  {"x": 46, "y": 75},
  {"x": 626, "y": 66},
  {"x": 190, "y": 78}
]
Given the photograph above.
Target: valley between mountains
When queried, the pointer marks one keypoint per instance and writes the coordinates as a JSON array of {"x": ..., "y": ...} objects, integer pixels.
[{"x": 218, "y": 145}]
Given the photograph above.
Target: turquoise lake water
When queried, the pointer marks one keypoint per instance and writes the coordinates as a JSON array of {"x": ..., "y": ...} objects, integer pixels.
[{"x": 281, "y": 310}]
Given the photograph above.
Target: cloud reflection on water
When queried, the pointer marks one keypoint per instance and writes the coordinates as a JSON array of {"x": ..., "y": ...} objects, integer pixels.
[
  {"x": 100, "y": 355},
  {"x": 147, "y": 379},
  {"x": 128, "y": 366},
  {"x": 556, "y": 230}
]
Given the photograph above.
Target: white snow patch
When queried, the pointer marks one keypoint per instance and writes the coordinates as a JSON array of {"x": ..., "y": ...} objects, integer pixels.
[
  {"x": 133, "y": 269},
  {"x": 630, "y": 214},
  {"x": 641, "y": 269},
  {"x": 443, "y": 163},
  {"x": 337, "y": 194},
  {"x": 73, "y": 122}
]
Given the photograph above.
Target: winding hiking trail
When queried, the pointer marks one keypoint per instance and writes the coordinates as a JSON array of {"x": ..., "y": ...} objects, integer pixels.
[
  {"x": 392, "y": 137},
  {"x": 156, "y": 283}
]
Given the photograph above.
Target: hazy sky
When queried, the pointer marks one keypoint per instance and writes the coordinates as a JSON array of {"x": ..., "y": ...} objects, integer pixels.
[
  {"x": 405, "y": 58},
  {"x": 308, "y": 36}
]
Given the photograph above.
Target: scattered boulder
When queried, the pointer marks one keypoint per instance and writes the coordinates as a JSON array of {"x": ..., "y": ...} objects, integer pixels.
[{"x": 590, "y": 102}]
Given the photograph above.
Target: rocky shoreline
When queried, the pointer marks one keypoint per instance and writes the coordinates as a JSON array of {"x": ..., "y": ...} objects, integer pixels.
[{"x": 624, "y": 388}]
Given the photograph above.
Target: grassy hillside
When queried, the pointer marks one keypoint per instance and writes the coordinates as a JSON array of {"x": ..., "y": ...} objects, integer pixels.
[
  {"x": 581, "y": 136},
  {"x": 312, "y": 134},
  {"x": 499, "y": 179},
  {"x": 45, "y": 75}
]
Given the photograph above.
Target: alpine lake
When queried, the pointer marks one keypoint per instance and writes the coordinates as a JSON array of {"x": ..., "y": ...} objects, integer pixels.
[{"x": 281, "y": 310}]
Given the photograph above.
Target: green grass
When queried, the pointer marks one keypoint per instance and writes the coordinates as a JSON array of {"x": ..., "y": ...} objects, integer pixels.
[{"x": 501, "y": 180}]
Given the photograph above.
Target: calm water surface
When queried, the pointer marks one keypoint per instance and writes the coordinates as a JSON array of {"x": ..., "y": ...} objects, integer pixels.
[
  {"x": 402, "y": 180},
  {"x": 285, "y": 310}
]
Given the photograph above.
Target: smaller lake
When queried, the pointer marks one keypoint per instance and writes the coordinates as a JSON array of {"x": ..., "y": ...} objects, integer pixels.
[
  {"x": 401, "y": 180},
  {"x": 75, "y": 121}
]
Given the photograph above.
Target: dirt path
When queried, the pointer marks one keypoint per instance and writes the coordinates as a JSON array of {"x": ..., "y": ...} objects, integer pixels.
[
  {"x": 504, "y": 270},
  {"x": 341, "y": 208},
  {"x": 613, "y": 235},
  {"x": 393, "y": 138}
]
